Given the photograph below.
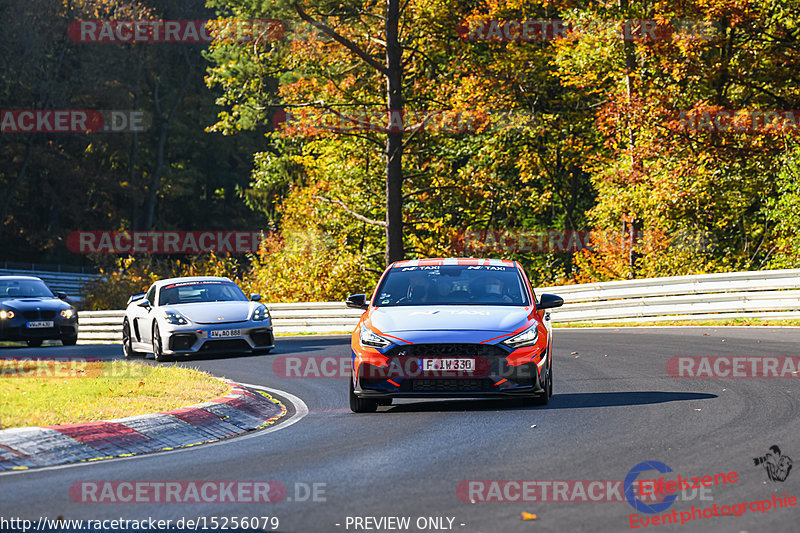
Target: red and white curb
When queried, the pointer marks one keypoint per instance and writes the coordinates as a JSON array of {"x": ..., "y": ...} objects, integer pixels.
[{"x": 242, "y": 410}]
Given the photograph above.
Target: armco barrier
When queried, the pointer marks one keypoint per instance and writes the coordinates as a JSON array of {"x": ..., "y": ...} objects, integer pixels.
[
  {"x": 760, "y": 294},
  {"x": 71, "y": 283},
  {"x": 99, "y": 327}
]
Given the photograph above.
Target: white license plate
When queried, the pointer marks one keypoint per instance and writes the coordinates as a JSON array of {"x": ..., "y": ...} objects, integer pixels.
[
  {"x": 41, "y": 324},
  {"x": 449, "y": 364},
  {"x": 213, "y": 334}
]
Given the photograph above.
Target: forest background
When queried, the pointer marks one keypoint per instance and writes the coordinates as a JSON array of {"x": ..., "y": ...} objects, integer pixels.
[{"x": 662, "y": 134}]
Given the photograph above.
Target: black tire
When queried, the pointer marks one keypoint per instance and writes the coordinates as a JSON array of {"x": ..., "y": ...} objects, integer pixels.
[
  {"x": 69, "y": 341},
  {"x": 158, "y": 350},
  {"x": 34, "y": 343},
  {"x": 361, "y": 405},
  {"x": 544, "y": 398},
  {"x": 127, "y": 341}
]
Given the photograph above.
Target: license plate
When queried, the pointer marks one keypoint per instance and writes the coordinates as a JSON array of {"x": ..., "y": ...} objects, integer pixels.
[
  {"x": 41, "y": 324},
  {"x": 467, "y": 365},
  {"x": 224, "y": 333}
]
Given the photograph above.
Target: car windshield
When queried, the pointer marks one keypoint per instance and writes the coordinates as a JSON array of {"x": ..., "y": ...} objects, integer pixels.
[
  {"x": 452, "y": 285},
  {"x": 24, "y": 288},
  {"x": 200, "y": 291}
]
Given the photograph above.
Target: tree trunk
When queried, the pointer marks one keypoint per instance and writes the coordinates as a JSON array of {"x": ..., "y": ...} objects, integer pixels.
[
  {"x": 133, "y": 153},
  {"x": 164, "y": 124},
  {"x": 158, "y": 173},
  {"x": 636, "y": 163},
  {"x": 394, "y": 138}
]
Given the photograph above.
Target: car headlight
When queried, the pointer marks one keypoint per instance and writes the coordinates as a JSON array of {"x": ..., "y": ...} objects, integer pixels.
[
  {"x": 67, "y": 313},
  {"x": 6, "y": 313},
  {"x": 261, "y": 313},
  {"x": 175, "y": 318},
  {"x": 368, "y": 338},
  {"x": 526, "y": 338}
]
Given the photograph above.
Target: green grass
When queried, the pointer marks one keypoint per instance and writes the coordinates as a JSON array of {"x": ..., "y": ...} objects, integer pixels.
[{"x": 47, "y": 392}]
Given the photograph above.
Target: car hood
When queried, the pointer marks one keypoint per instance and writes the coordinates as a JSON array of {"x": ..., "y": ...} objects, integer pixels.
[
  {"x": 24, "y": 304},
  {"x": 489, "y": 318},
  {"x": 213, "y": 312}
]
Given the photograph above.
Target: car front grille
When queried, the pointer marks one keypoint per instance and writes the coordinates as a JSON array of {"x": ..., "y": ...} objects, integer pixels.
[
  {"x": 233, "y": 345},
  {"x": 262, "y": 337},
  {"x": 35, "y": 315},
  {"x": 450, "y": 385},
  {"x": 38, "y": 332},
  {"x": 448, "y": 350},
  {"x": 182, "y": 341}
]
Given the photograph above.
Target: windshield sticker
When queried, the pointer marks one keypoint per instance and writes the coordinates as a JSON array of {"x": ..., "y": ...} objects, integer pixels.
[
  {"x": 185, "y": 283},
  {"x": 427, "y": 267},
  {"x": 500, "y": 268}
]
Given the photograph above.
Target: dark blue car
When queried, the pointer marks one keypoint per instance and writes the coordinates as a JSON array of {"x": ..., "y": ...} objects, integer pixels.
[{"x": 31, "y": 312}]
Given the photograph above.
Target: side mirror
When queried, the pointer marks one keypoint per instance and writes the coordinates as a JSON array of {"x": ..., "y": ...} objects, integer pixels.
[
  {"x": 255, "y": 297},
  {"x": 548, "y": 301},
  {"x": 144, "y": 303},
  {"x": 134, "y": 298},
  {"x": 357, "y": 301},
  {"x": 61, "y": 295}
]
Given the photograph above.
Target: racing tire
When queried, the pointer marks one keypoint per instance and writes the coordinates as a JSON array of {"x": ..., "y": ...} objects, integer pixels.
[
  {"x": 127, "y": 342},
  {"x": 34, "y": 343},
  {"x": 158, "y": 349},
  {"x": 544, "y": 398},
  {"x": 361, "y": 405},
  {"x": 69, "y": 340}
]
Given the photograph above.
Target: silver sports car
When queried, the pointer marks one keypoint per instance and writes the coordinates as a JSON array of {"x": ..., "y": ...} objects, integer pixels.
[{"x": 203, "y": 314}]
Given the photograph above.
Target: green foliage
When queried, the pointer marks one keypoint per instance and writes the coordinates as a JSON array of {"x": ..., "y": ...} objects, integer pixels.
[
  {"x": 123, "y": 277},
  {"x": 57, "y": 183},
  {"x": 576, "y": 133},
  {"x": 783, "y": 214},
  {"x": 308, "y": 267}
]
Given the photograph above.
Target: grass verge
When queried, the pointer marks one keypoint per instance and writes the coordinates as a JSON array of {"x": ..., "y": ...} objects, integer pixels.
[{"x": 48, "y": 392}]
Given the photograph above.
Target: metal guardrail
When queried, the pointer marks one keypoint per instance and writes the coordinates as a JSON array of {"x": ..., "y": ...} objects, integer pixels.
[
  {"x": 98, "y": 327},
  {"x": 71, "y": 283},
  {"x": 761, "y": 294}
]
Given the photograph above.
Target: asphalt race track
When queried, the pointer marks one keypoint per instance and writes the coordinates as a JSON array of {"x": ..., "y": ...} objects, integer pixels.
[{"x": 614, "y": 406}]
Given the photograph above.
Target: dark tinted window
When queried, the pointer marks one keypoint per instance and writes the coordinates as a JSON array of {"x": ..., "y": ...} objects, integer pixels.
[
  {"x": 24, "y": 288},
  {"x": 151, "y": 295},
  {"x": 452, "y": 285},
  {"x": 200, "y": 291}
]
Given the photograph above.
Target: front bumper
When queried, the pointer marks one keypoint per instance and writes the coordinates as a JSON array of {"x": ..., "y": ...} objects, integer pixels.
[
  {"x": 17, "y": 329},
  {"x": 493, "y": 376},
  {"x": 197, "y": 339}
]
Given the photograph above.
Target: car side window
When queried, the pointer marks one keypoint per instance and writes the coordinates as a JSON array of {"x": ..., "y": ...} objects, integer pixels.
[{"x": 151, "y": 294}]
